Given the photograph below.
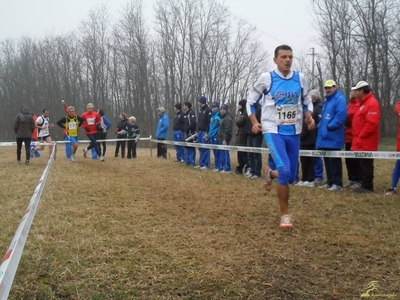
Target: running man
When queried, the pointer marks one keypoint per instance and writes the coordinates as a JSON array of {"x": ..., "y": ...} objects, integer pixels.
[
  {"x": 43, "y": 124},
  {"x": 71, "y": 124},
  {"x": 286, "y": 96},
  {"x": 91, "y": 123}
]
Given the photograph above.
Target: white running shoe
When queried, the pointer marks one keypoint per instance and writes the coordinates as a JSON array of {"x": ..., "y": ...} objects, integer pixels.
[
  {"x": 335, "y": 187},
  {"x": 102, "y": 158},
  {"x": 286, "y": 223},
  {"x": 325, "y": 186},
  {"x": 73, "y": 158},
  {"x": 309, "y": 184}
]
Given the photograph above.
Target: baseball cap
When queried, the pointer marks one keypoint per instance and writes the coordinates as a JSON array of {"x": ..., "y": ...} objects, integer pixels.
[
  {"x": 359, "y": 85},
  {"x": 329, "y": 83}
]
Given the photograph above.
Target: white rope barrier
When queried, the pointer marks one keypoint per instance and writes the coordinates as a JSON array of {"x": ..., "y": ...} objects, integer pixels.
[
  {"x": 314, "y": 153},
  {"x": 13, "y": 254}
]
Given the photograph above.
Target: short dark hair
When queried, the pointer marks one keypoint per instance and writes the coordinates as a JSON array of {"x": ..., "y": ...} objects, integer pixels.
[
  {"x": 365, "y": 89},
  {"x": 188, "y": 104},
  {"x": 44, "y": 110},
  {"x": 281, "y": 47},
  {"x": 101, "y": 112}
]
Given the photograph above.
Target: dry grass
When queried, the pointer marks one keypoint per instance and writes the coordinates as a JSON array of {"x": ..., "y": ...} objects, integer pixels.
[{"x": 155, "y": 229}]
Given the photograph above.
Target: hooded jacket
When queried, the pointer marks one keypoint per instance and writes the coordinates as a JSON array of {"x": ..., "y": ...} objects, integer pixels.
[
  {"x": 24, "y": 125},
  {"x": 331, "y": 126},
  {"x": 366, "y": 124}
]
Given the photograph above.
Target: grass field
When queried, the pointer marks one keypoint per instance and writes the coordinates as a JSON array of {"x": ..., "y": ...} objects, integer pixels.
[{"x": 150, "y": 228}]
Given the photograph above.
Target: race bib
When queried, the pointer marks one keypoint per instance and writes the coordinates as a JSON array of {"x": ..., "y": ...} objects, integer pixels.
[
  {"x": 286, "y": 114},
  {"x": 72, "y": 125},
  {"x": 90, "y": 121}
]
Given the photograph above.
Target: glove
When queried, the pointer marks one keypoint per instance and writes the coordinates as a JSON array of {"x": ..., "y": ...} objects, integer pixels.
[{"x": 87, "y": 129}]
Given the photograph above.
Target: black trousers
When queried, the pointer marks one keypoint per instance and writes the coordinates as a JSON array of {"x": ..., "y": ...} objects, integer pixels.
[
  {"x": 122, "y": 145},
  {"x": 161, "y": 149},
  {"x": 367, "y": 169},
  {"x": 353, "y": 167},
  {"x": 27, "y": 142},
  {"x": 131, "y": 149},
  {"x": 102, "y": 136},
  {"x": 242, "y": 161},
  {"x": 333, "y": 168},
  {"x": 307, "y": 165}
]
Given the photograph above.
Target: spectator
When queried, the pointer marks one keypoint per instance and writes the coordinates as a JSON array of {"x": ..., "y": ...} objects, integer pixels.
[
  {"x": 241, "y": 137},
  {"x": 133, "y": 135},
  {"x": 105, "y": 125},
  {"x": 162, "y": 132},
  {"x": 331, "y": 134},
  {"x": 352, "y": 164},
  {"x": 254, "y": 140},
  {"x": 224, "y": 137},
  {"x": 212, "y": 134},
  {"x": 23, "y": 128},
  {"x": 307, "y": 142},
  {"x": 43, "y": 124},
  {"x": 203, "y": 126},
  {"x": 317, "y": 115},
  {"x": 71, "y": 123},
  {"x": 190, "y": 131},
  {"x": 366, "y": 133},
  {"x": 396, "y": 170},
  {"x": 121, "y": 135},
  {"x": 178, "y": 126},
  {"x": 286, "y": 95},
  {"x": 91, "y": 123}
]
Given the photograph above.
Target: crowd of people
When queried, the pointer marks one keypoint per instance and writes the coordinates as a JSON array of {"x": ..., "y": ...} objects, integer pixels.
[{"x": 280, "y": 109}]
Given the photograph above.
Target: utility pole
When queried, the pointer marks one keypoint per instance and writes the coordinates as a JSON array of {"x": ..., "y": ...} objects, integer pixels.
[{"x": 313, "y": 54}]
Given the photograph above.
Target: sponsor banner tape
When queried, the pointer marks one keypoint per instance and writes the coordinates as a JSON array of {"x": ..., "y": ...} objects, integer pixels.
[
  {"x": 13, "y": 254},
  {"x": 65, "y": 142},
  {"x": 315, "y": 153}
]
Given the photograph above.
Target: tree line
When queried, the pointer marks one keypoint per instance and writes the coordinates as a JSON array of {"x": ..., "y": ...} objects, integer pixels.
[
  {"x": 360, "y": 41},
  {"x": 193, "y": 48}
]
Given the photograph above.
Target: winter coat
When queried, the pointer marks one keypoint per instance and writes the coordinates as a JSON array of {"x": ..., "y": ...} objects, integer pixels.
[
  {"x": 203, "y": 118},
  {"x": 162, "y": 127},
  {"x": 366, "y": 125},
  {"x": 241, "y": 134},
  {"x": 352, "y": 107},
  {"x": 225, "y": 128},
  {"x": 309, "y": 137},
  {"x": 24, "y": 125},
  {"x": 331, "y": 127},
  {"x": 214, "y": 124}
]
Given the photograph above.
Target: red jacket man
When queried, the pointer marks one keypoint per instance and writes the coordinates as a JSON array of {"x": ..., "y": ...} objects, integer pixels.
[
  {"x": 366, "y": 124},
  {"x": 366, "y": 132}
]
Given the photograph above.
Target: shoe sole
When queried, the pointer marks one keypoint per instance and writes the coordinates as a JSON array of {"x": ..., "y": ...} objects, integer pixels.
[
  {"x": 268, "y": 179},
  {"x": 286, "y": 226}
]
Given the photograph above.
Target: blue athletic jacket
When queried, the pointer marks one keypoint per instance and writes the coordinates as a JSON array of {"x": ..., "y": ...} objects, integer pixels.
[
  {"x": 162, "y": 127},
  {"x": 331, "y": 126}
]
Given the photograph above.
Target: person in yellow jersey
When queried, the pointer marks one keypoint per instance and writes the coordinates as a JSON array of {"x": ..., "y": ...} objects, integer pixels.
[{"x": 71, "y": 123}]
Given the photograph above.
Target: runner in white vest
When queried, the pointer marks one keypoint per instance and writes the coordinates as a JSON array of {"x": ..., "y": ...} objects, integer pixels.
[{"x": 42, "y": 124}]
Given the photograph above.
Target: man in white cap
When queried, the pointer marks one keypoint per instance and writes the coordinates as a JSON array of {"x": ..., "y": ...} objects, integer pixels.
[
  {"x": 330, "y": 135},
  {"x": 366, "y": 132}
]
